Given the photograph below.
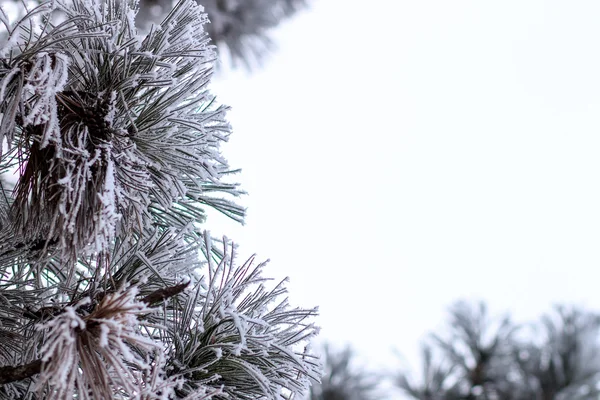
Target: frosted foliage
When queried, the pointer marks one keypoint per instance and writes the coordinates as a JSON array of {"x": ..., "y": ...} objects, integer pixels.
[
  {"x": 113, "y": 132},
  {"x": 109, "y": 216},
  {"x": 109, "y": 288},
  {"x": 230, "y": 337},
  {"x": 101, "y": 354},
  {"x": 242, "y": 27},
  {"x": 47, "y": 77},
  {"x": 249, "y": 330}
]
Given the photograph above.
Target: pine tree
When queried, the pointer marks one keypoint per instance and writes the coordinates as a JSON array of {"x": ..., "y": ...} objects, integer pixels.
[
  {"x": 437, "y": 380},
  {"x": 471, "y": 362},
  {"x": 110, "y": 288},
  {"x": 483, "y": 358},
  {"x": 342, "y": 380},
  {"x": 564, "y": 362},
  {"x": 239, "y": 26}
]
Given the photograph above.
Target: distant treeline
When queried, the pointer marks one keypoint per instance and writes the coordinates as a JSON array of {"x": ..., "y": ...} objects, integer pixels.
[{"x": 477, "y": 357}]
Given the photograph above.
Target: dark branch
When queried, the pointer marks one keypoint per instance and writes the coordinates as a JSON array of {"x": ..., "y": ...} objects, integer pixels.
[
  {"x": 164, "y": 293},
  {"x": 10, "y": 374},
  {"x": 42, "y": 313}
]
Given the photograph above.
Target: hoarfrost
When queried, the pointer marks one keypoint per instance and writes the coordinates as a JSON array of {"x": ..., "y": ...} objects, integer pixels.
[
  {"x": 92, "y": 353},
  {"x": 46, "y": 78}
]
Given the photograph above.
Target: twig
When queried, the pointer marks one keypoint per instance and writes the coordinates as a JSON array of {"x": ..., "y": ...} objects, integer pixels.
[{"x": 164, "y": 293}]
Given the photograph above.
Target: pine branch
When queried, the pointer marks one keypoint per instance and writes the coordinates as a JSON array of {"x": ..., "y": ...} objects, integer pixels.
[
  {"x": 10, "y": 374},
  {"x": 151, "y": 300},
  {"x": 116, "y": 140},
  {"x": 133, "y": 155}
]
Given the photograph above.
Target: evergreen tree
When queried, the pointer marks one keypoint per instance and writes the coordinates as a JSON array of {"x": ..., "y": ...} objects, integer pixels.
[
  {"x": 563, "y": 363},
  {"x": 241, "y": 27},
  {"x": 472, "y": 362},
  {"x": 483, "y": 359},
  {"x": 110, "y": 286},
  {"x": 437, "y": 380},
  {"x": 342, "y": 380}
]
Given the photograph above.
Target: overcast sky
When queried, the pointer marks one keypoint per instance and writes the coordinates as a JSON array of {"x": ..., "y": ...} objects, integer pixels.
[{"x": 400, "y": 155}]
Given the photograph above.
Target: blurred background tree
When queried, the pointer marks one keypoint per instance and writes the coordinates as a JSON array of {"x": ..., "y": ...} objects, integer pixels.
[
  {"x": 481, "y": 358},
  {"x": 476, "y": 356},
  {"x": 239, "y": 28},
  {"x": 470, "y": 361},
  {"x": 343, "y": 379},
  {"x": 564, "y": 362}
]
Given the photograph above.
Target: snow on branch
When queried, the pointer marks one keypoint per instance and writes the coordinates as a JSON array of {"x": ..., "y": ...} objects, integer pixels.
[
  {"x": 100, "y": 354},
  {"x": 246, "y": 338},
  {"x": 232, "y": 336},
  {"x": 112, "y": 132},
  {"x": 116, "y": 139},
  {"x": 115, "y": 314}
]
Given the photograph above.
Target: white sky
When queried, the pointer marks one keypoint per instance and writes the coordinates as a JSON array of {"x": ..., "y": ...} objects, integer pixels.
[{"x": 400, "y": 155}]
